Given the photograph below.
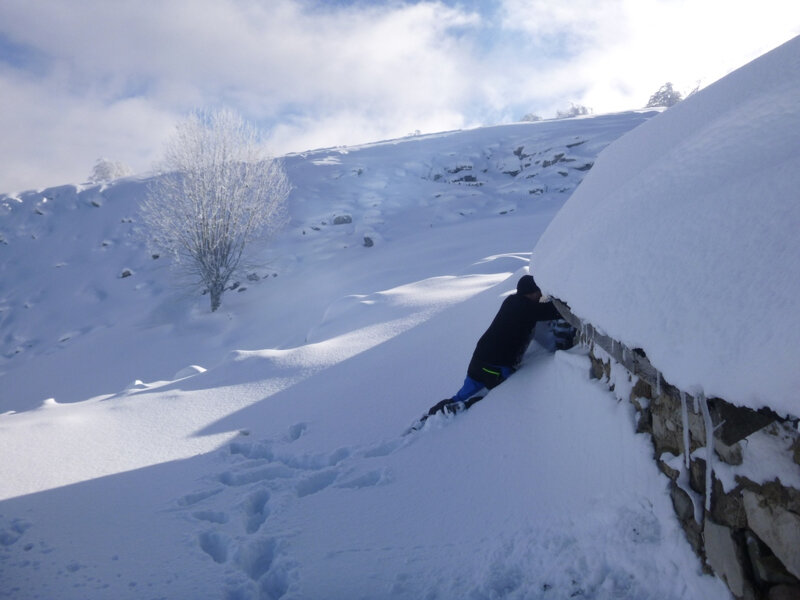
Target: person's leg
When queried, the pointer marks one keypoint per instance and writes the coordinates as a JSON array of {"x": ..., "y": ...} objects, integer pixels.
[
  {"x": 485, "y": 377},
  {"x": 469, "y": 389},
  {"x": 491, "y": 375},
  {"x": 465, "y": 397},
  {"x": 439, "y": 406}
]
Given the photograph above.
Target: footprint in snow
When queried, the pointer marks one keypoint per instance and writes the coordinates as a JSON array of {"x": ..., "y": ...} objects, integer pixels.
[
  {"x": 255, "y": 557},
  {"x": 255, "y": 510},
  {"x": 364, "y": 480},
  {"x": 214, "y": 544},
  {"x": 195, "y": 497},
  {"x": 246, "y": 476},
  {"x": 11, "y": 530},
  {"x": 212, "y": 516},
  {"x": 295, "y": 431},
  {"x": 384, "y": 448},
  {"x": 316, "y": 482},
  {"x": 233, "y": 514}
]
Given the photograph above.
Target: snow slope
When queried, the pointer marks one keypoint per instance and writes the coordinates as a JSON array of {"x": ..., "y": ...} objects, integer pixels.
[
  {"x": 684, "y": 239},
  {"x": 151, "y": 449},
  {"x": 64, "y": 305}
]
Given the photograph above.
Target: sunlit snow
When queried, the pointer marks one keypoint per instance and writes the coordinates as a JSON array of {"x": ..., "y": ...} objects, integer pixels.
[{"x": 152, "y": 449}]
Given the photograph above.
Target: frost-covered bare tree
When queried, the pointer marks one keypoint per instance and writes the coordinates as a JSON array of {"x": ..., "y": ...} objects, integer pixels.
[
  {"x": 106, "y": 170},
  {"x": 217, "y": 192},
  {"x": 665, "y": 96}
]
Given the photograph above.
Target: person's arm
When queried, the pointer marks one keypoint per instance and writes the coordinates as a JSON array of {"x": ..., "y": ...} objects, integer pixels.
[{"x": 547, "y": 311}]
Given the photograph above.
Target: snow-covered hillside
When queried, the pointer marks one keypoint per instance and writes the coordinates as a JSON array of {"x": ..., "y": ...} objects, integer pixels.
[
  {"x": 67, "y": 310},
  {"x": 684, "y": 240},
  {"x": 152, "y": 449}
]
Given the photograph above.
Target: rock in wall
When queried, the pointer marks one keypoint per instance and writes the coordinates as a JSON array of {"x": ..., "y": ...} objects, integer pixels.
[{"x": 745, "y": 529}]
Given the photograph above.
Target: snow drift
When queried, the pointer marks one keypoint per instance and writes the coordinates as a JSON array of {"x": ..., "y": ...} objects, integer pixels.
[{"x": 683, "y": 240}]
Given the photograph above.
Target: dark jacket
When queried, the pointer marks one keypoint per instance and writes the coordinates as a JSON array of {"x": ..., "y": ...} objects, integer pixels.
[{"x": 507, "y": 338}]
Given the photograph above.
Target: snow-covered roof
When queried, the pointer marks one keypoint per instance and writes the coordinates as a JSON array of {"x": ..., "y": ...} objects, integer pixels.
[{"x": 684, "y": 240}]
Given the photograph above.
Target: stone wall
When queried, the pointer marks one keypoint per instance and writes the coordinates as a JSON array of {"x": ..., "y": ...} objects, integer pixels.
[{"x": 746, "y": 530}]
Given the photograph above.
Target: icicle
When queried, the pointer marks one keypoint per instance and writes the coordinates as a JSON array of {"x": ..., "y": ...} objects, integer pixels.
[
  {"x": 658, "y": 384},
  {"x": 709, "y": 447},
  {"x": 685, "y": 419}
]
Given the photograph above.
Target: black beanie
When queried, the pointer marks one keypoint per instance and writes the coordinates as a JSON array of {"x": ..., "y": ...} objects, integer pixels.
[{"x": 526, "y": 285}]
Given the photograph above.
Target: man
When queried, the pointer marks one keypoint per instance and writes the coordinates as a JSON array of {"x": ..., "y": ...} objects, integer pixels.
[{"x": 499, "y": 350}]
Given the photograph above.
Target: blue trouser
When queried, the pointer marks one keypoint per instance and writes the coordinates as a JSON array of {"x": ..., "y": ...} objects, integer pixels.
[{"x": 491, "y": 376}]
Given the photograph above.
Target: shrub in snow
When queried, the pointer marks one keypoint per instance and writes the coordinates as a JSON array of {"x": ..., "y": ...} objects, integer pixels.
[
  {"x": 219, "y": 191},
  {"x": 575, "y": 110},
  {"x": 106, "y": 170}
]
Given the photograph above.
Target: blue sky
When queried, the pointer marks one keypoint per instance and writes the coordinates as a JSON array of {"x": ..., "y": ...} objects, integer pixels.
[{"x": 86, "y": 79}]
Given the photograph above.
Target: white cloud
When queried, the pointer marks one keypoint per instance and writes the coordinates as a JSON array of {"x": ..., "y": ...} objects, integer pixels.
[
  {"x": 53, "y": 138},
  {"x": 621, "y": 51},
  {"x": 91, "y": 78},
  {"x": 393, "y": 65},
  {"x": 575, "y": 24}
]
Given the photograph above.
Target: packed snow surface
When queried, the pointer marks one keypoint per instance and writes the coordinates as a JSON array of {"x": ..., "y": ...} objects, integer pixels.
[
  {"x": 684, "y": 240},
  {"x": 152, "y": 449}
]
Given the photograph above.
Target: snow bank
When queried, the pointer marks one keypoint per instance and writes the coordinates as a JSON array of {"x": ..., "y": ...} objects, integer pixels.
[{"x": 683, "y": 240}]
